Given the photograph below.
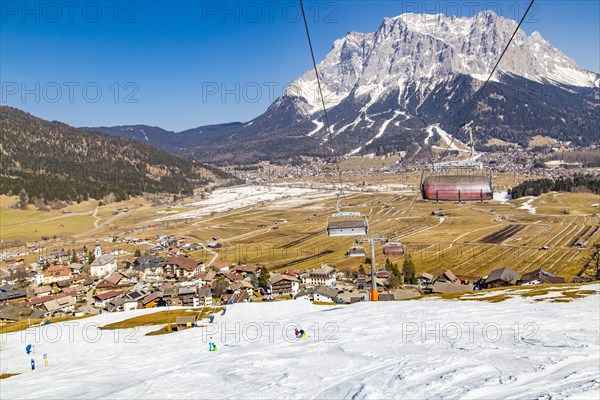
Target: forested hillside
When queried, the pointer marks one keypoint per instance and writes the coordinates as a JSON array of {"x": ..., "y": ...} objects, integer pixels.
[{"x": 50, "y": 160}]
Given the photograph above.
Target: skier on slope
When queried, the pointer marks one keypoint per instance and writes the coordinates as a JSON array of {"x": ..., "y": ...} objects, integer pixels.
[{"x": 211, "y": 345}]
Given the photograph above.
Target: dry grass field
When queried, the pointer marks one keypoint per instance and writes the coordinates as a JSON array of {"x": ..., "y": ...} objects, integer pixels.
[{"x": 471, "y": 238}]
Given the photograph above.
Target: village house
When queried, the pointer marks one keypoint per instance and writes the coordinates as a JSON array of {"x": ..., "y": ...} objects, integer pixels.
[
  {"x": 231, "y": 298},
  {"x": 149, "y": 268},
  {"x": 13, "y": 313},
  {"x": 56, "y": 273},
  {"x": 185, "y": 322},
  {"x": 42, "y": 291},
  {"x": 205, "y": 297},
  {"x": 246, "y": 270},
  {"x": 82, "y": 279},
  {"x": 62, "y": 304},
  {"x": 170, "y": 296},
  {"x": 117, "y": 304},
  {"x": 540, "y": 276},
  {"x": 284, "y": 285},
  {"x": 13, "y": 295},
  {"x": 502, "y": 277},
  {"x": 181, "y": 266},
  {"x": 449, "y": 277},
  {"x": 113, "y": 280},
  {"x": 101, "y": 299},
  {"x": 154, "y": 299},
  {"x": 75, "y": 268},
  {"x": 447, "y": 287},
  {"x": 320, "y": 294},
  {"x": 324, "y": 275},
  {"x": 243, "y": 285},
  {"x": 188, "y": 296}
]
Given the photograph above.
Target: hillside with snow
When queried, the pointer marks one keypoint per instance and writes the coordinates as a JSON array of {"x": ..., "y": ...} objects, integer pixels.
[{"x": 431, "y": 348}]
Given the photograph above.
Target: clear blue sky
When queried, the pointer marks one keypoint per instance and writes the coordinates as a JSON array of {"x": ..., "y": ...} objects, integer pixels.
[{"x": 167, "y": 63}]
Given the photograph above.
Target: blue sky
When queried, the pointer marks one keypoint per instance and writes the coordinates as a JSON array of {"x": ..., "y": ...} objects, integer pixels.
[{"x": 182, "y": 64}]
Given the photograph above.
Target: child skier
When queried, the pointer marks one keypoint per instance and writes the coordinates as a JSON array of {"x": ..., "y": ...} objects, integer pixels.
[{"x": 211, "y": 345}]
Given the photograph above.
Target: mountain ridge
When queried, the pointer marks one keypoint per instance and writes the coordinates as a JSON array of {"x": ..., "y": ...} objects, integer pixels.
[
  {"x": 50, "y": 160},
  {"x": 384, "y": 89}
]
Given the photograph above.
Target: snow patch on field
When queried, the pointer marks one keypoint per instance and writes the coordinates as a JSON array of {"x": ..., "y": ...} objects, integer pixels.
[
  {"x": 502, "y": 197},
  {"x": 528, "y": 205},
  {"x": 228, "y": 199},
  {"x": 412, "y": 349}
]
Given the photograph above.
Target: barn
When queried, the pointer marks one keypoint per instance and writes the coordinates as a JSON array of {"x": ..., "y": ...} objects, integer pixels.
[{"x": 457, "y": 188}]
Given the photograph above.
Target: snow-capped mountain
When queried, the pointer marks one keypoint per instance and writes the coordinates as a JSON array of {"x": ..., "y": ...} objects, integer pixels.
[
  {"x": 385, "y": 90},
  {"x": 429, "y": 49}
]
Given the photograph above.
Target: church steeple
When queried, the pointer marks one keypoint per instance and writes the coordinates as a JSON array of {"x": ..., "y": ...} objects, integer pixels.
[{"x": 97, "y": 250}]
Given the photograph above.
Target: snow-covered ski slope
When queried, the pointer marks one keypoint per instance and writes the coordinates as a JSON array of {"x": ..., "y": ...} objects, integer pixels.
[{"x": 518, "y": 348}]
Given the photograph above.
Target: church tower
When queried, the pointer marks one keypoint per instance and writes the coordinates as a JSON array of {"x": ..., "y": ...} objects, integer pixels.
[{"x": 97, "y": 250}]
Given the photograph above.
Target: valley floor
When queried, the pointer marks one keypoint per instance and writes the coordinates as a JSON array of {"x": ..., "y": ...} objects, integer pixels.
[{"x": 428, "y": 348}]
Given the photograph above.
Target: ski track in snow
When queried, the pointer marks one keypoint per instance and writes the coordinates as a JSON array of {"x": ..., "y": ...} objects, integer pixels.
[
  {"x": 319, "y": 126},
  {"x": 364, "y": 352}
]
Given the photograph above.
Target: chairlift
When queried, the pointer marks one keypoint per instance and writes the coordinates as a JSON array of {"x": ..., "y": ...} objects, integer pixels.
[
  {"x": 346, "y": 223},
  {"x": 356, "y": 251},
  {"x": 465, "y": 180}
]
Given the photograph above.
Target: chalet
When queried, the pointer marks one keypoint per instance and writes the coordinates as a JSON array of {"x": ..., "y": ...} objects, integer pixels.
[
  {"x": 284, "y": 285},
  {"x": 324, "y": 275},
  {"x": 321, "y": 294},
  {"x": 42, "y": 291},
  {"x": 101, "y": 299},
  {"x": 13, "y": 295},
  {"x": 502, "y": 277},
  {"x": 55, "y": 273},
  {"x": 121, "y": 304},
  {"x": 540, "y": 276},
  {"x": 241, "y": 297},
  {"x": 188, "y": 295},
  {"x": 16, "y": 313},
  {"x": 103, "y": 265},
  {"x": 353, "y": 296},
  {"x": 447, "y": 287},
  {"x": 449, "y": 277},
  {"x": 233, "y": 277},
  {"x": 62, "y": 304},
  {"x": 424, "y": 278},
  {"x": 205, "y": 297},
  {"x": 181, "y": 266},
  {"x": 185, "y": 322},
  {"x": 170, "y": 296},
  {"x": 149, "y": 268},
  {"x": 222, "y": 267},
  {"x": 77, "y": 291},
  {"x": 246, "y": 270},
  {"x": 83, "y": 279},
  {"x": 136, "y": 295},
  {"x": 152, "y": 300},
  {"x": 75, "y": 268},
  {"x": 38, "y": 301}
]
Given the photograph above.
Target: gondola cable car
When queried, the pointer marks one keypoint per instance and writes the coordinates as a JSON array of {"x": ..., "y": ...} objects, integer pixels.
[{"x": 464, "y": 180}]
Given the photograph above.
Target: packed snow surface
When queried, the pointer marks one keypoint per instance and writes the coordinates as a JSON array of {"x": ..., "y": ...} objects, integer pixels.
[{"x": 518, "y": 348}]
